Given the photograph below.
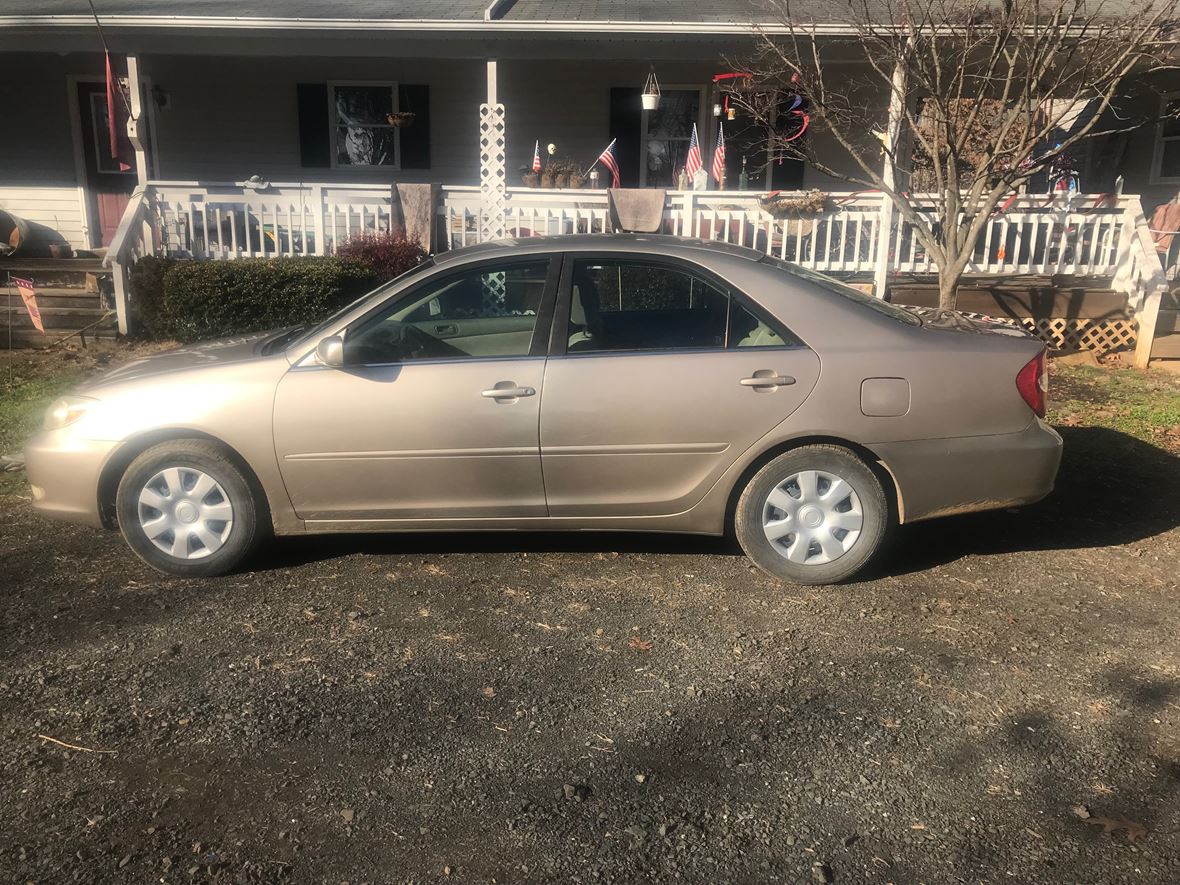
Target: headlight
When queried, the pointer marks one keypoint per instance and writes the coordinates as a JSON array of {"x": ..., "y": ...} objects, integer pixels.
[{"x": 67, "y": 410}]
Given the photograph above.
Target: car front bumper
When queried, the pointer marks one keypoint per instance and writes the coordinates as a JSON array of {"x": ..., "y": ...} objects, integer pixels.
[
  {"x": 63, "y": 472},
  {"x": 942, "y": 477}
]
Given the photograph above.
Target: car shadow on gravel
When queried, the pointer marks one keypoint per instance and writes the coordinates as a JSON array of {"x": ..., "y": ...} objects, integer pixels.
[
  {"x": 1112, "y": 489},
  {"x": 291, "y": 552}
]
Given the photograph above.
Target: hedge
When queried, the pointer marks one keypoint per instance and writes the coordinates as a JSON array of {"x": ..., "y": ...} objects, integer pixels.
[{"x": 195, "y": 300}]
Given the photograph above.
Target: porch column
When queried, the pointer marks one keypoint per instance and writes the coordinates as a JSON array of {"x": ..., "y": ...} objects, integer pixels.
[
  {"x": 135, "y": 130},
  {"x": 889, "y": 174},
  {"x": 493, "y": 158}
]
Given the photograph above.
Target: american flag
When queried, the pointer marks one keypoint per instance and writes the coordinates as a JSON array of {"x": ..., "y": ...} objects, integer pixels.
[
  {"x": 607, "y": 159},
  {"x": 537, "y": 157},
  {"x": 719, "y": 155},
  {"x": 29, "y": 295},
  {"x": 692, "y": 162}
]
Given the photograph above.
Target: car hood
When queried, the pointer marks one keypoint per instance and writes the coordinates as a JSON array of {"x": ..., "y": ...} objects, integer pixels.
[{"x": 207, "y": 353}]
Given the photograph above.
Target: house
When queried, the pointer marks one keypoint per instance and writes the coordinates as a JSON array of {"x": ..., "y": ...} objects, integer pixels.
[{"x": 270, "y": 128}]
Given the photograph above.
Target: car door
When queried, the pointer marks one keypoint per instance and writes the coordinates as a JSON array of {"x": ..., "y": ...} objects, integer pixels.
[
  {"x": 421, "y": 423},
  {"x": 660, "y": 376}
]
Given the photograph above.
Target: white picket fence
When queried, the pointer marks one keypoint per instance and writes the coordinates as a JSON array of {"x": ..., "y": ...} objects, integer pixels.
[{"x": 1091, "y": 236}]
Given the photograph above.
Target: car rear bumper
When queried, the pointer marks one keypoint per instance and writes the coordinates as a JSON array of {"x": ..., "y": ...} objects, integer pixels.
[
  {"x": 942, "y": 477},
  {"x": 63, "y": 472}
]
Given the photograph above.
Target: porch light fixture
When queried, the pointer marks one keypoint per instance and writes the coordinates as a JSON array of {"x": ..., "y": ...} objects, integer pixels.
[
  {"x": 716, "y": 109},
  {"x": 651, "y": 91}
]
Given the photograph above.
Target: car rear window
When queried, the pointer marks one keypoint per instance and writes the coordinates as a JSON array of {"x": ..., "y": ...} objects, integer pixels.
[{"x": 879, "y": 305}]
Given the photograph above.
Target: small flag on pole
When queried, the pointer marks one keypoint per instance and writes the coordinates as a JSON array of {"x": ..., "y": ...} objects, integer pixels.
[
  {"x": 719, "y": 155},
  {"x": 537, "y": 156},
  {"x": 29, "y": 297},
  {"x": 692, "y": 163},
  {"x": 607, "y": 159},
  {"x": 115, "y": 117}
]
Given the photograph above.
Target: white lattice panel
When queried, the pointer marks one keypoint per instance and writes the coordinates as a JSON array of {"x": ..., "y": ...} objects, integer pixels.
[
  {"x": 1100, "y": 336},
  {"x": 493, "y": 160}
]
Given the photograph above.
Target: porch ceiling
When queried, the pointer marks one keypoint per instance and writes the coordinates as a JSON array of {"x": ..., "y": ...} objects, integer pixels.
[{"x": 445, "y": 10}]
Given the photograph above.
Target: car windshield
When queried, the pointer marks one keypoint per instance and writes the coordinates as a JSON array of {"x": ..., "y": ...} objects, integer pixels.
[
  {"x": 319, "y": 328},
  {"x": 881, "y": 306}
]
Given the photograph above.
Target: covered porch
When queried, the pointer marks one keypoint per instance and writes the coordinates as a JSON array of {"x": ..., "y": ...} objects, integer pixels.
[
  {"x": 276, "y": 146},
  {"x": 1096, "y": 246}
]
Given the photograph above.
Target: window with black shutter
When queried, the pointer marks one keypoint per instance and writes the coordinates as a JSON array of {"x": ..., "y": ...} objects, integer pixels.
[{"x": 364, "y": 125}]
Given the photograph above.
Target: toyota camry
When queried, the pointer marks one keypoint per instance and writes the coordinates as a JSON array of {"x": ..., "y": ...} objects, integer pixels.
[{"x": 615, "y": 382}]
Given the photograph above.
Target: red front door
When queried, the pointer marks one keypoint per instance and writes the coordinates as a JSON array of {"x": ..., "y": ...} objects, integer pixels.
[{"x": 108, "y": 185}]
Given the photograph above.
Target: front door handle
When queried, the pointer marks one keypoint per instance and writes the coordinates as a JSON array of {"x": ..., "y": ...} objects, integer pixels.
[
  {"x": 766, "y": 378},
  {"x": 505, "y": 390}
]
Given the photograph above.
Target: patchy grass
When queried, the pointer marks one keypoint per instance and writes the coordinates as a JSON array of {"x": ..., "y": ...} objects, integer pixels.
[
  {"x": 1145, "y": 405},
  {"x": 30, "y": 380},
  {"x": 26, "y": 389}
]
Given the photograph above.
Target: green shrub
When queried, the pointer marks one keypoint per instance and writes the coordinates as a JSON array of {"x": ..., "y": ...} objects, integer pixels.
[
  {"x": 195, "y": 300},
  {"x": 389, "y": 255},
  {"x": 147, "y": 297}
]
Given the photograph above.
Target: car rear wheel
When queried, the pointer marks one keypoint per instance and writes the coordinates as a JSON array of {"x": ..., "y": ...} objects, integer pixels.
[
  {"x": 813, "y": 515},
  {"x": 186, "y": 509}
]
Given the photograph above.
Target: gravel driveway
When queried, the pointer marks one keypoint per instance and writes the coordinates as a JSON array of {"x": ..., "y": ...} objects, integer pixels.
[{"x": 1000, "y": 701}]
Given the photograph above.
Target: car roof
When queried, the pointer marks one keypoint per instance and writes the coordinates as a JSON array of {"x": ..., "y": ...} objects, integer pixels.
[{"x": 651, "y": 244}]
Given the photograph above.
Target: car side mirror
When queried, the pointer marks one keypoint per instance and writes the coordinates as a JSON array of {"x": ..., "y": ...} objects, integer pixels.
[{"x": 330, "y": 352}]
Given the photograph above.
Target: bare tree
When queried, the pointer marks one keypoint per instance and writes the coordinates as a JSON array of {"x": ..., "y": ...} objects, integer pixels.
[{"x": 985, "y": 95}]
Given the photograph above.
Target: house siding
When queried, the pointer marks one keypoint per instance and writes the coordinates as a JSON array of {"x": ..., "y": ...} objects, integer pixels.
[
  {"x": 229, "y": 118},
  {"x": 38, "y": 181},
  {"x": 1132, "y": 155},
  {"x": 232, "y": 117},
  {"x": 567, "y": 103},
  {"x": 59, "y": 209}
]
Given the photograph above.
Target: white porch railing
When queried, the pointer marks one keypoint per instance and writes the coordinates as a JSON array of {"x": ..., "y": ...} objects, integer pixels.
[{"x": 1092, "y": 237}]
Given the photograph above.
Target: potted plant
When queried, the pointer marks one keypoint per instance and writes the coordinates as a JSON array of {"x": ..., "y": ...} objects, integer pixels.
[
  {"x": 651, "y": 92},
  {"x": 529, "y": 177}
]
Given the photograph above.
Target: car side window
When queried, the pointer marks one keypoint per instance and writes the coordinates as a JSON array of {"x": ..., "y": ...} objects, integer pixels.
[
  {"x": 747, "y": 330},
  {"x": 620, "y": 305},
  {"x": 479, "y": 312}
]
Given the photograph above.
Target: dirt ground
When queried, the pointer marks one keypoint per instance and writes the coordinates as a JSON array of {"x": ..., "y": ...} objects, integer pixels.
[{"x": 998, "y": 701}]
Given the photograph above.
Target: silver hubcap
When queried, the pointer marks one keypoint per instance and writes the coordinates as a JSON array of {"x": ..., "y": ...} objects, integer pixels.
[
  {"x": 185, "y": 513},
  {"x": 812, "y": 518}
]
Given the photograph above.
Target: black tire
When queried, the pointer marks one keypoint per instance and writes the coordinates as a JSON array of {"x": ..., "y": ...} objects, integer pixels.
[
  {"x": 771, "y": 556},
  {"x": 241, "y": 534}
]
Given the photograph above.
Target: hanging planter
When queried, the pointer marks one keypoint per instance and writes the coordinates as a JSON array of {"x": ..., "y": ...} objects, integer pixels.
[
  {"x": 401, "y": 120},
  {"x": 651, "y": 92}
]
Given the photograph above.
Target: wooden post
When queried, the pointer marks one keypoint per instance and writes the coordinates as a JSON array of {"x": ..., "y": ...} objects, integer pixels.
[
  {"x": 889, "y": 174},
  {"x": 135, "y": 131}
]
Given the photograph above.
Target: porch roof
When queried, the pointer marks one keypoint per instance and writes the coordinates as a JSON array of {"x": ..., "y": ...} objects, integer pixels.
[
  {"x": 492, "y": 15},
  {"x": 420, "y": 10}
]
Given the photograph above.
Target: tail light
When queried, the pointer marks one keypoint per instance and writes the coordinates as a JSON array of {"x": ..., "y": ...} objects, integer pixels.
[{"x": 1032, "y": 382}]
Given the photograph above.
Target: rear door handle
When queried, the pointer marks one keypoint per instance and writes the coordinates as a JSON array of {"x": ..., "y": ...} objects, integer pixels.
[
  {"x": 766, "y": 378},
  {"x": 507, "y": 390}
]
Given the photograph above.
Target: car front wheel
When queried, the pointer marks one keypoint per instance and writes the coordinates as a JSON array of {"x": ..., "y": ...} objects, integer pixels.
[
  {"x": 186, "y": 509},
  {"x": 813, "y": 515}
]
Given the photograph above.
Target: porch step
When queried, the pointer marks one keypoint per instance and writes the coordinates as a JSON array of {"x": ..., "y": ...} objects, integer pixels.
[
  {"x": 58, "y": 296},
  {"x": 51, "y": 317},
  {"x": 31, "y": 338},
  {"x": 81, "y": 273},
  {"x": 1167, "y": 335}
]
